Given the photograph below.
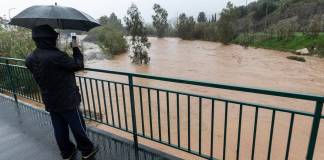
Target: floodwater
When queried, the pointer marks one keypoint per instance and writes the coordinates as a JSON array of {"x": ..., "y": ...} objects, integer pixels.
[{"x": 230, "y": 64}]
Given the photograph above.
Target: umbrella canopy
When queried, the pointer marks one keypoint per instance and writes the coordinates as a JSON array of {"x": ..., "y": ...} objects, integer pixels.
[{"x": 55, "y": 16}]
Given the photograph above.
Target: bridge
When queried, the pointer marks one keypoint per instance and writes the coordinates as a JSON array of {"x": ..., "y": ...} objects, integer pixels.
[{"x": 135, "y": 113}]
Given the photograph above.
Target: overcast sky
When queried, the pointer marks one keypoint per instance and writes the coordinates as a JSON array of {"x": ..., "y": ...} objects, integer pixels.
[{"x": 97, "y": 8}]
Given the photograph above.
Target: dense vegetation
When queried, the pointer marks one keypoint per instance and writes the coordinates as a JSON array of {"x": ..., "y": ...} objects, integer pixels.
[
  {"x": 109, "y": 36},
  {"x": 16, "y": 42},
  {"x": 281, "y": 25},
  {"x": 160, "y": 20}
]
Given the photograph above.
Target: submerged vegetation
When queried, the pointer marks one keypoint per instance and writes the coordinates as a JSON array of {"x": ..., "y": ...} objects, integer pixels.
[
  {"x": 296, "y": 58},
  {"x": 139, "y": 41},
  {"x": 109, "y": 36}
]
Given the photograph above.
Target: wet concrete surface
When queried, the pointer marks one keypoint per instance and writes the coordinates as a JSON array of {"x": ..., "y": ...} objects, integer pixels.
[{"x": 26, "y": 134}]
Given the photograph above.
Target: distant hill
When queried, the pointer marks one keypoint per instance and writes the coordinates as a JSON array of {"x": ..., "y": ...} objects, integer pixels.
[{"x": 261, "y": 15}]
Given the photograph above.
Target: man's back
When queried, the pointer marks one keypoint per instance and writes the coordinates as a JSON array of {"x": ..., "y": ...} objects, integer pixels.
[{"x": 54, "y": 70}]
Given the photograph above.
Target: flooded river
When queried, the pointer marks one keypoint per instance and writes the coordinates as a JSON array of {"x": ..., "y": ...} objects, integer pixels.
[
  {"x": 230, "y": 64},
  {"x": 214, "y": 62}
]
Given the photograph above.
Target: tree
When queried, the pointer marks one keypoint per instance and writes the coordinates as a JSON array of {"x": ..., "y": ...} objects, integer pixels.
[
  {"x": 285, "y": 28},
  {"x": 139, "y": 41},
  {"x": 214, "y": 18},
  {"x": 185, "y": 26},
  {"x": 264, "y": 8},
  {"x": 2, "y": 23},
  {"x": 103, "y": 20},
  {"x": 202, "y": 17},
  {"x": 181, "y": 24},
  {"x": 160, "y": 20},
  {"x": 314, "y": 27},
  {"x": 225, "y": 25},
  {"x": 112, "y": 20},
  {"x": 190, "y": 27},
  {"x": 115, "y": 21},
  {"x": 242, "y": 11}
]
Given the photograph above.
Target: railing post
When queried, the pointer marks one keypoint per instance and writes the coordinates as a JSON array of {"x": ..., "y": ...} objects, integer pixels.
[
  {"x": 132, "y": 103},
  {"x": 314, "y": 132},
  {"x": 12, "y": 83}
]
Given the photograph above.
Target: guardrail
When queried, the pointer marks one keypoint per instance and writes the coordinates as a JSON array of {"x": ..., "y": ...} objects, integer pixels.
[{"x": 181, "y": 120}]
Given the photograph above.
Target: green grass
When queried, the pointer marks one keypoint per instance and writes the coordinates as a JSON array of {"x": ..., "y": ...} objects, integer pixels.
[{"x": 291, "y": 44}]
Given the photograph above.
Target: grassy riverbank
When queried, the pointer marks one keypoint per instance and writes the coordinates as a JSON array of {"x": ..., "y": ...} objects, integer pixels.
[{"x": 290, "y": 44}]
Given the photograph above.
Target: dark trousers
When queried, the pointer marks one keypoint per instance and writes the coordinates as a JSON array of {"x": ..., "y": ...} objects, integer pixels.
[{"x": 61, "y": 122}]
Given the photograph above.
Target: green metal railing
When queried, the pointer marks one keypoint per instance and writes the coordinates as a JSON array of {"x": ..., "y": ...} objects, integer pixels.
[{"x": 157, "y": 114}]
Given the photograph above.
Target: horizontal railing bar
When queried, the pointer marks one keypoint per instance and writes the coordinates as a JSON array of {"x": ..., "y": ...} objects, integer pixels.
[
  {"x": 13, "y": 59},
  {"x": 121, "y": 83},
  {"x": 231, "y": 101},
  {"x": 13, "y": 65},
  {"x": 110, "y": 125}
]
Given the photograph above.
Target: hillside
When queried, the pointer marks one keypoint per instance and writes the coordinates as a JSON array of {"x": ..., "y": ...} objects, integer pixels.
[
  {"x": 264, "y": 14},
  {"x": 281, "y": 25}
]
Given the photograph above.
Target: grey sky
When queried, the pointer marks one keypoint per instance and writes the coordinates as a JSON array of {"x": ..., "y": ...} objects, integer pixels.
[{"x": 97, "y": 8}]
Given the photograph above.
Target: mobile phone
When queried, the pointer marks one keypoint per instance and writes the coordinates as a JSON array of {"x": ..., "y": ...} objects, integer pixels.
[{"x": 74, "y": 42}]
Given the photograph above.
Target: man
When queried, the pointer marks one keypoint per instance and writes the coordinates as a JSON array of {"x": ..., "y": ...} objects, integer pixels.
[{"x": 53, "y": 71}]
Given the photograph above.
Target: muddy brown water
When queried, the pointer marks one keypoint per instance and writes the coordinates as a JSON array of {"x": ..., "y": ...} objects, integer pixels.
[
  {"x": 214, "y": 62},
  {"x": 231, "y": 64}
]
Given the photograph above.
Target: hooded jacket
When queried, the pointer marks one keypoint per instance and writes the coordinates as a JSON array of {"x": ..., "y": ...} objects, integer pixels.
[{"x": 54, "y": 70}]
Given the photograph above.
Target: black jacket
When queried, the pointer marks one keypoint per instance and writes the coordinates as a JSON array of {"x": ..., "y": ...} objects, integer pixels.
[{"x": 53, "y": 71}]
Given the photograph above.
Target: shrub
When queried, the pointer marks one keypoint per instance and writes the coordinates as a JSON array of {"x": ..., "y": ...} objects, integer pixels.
[
  {"x": 186, "y": 26},
  {"x": 16, "y": 43},
  {"x": 109, "y": 38},
  {"x": 225, "y": 25},
  {"x": 285, "y": 28}
]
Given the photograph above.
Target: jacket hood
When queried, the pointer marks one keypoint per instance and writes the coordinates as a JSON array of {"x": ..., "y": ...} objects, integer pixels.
[
  {"x": 45, "y": 37},
  {"x": 43, "y": 31}
]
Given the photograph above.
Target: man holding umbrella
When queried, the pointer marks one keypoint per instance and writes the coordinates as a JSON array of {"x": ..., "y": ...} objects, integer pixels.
[{"x": 54, "y": 70}]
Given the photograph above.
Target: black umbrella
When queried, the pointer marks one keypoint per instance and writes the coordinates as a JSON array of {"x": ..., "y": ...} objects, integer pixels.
[{"x": 56, "y": 16}]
